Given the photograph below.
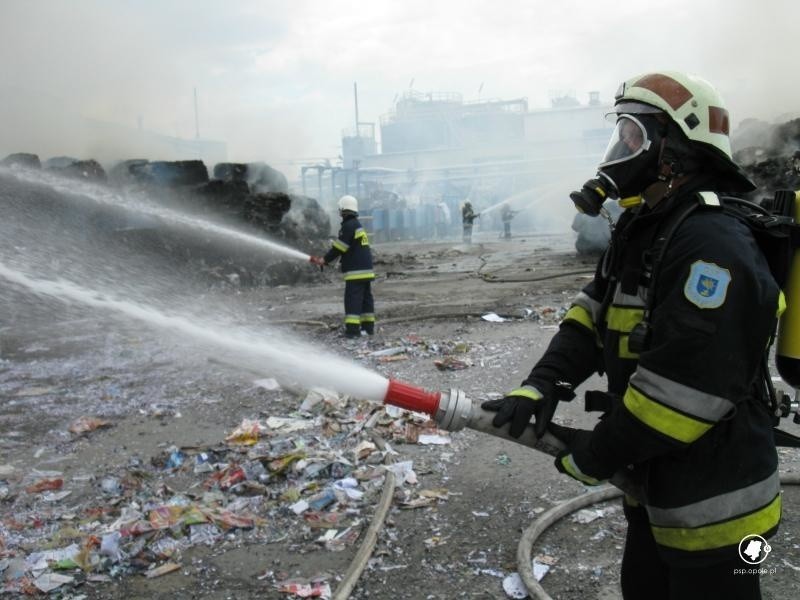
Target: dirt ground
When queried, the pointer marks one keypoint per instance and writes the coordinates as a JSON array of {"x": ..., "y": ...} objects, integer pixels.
[{"x": 59, "y": 363}]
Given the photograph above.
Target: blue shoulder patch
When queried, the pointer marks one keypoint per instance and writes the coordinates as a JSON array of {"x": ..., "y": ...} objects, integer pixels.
[{"x": 707, "y": 285}]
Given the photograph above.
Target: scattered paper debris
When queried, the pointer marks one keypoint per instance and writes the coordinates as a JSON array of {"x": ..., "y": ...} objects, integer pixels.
[
  {"x": 267, "y": 384},
  {"x": 513, "y": 587},
  {"x": 83, "y": 425},
  {"x": 493, "y": 318},
  {"x": 168, "y": 567},
  {"x": 47, "y": 582},
  {"x": 434, "y": 439},
  {"x": 305, "y": 589},
  {"x": 247, "y": 433},
  {"x": 289, "y": 425}
]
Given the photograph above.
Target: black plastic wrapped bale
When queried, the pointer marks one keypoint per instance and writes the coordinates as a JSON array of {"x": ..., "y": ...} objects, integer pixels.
[
  {"x": 306, "y": 219},
  {"x": 79, "y": 169},
  {"x": 266, "y": 210},
  {"x": 263, "y": 179},
  {"x": 176, "y": 173},
  {"x": 230, "y": 172},
  {"x": 21, "y": 159},
  {"x": 128, "y": 171},
  {"x": 225, "y": 198}
]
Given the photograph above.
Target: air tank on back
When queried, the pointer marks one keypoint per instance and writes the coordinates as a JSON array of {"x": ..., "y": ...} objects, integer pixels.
[{"x": 787, "y": 351}]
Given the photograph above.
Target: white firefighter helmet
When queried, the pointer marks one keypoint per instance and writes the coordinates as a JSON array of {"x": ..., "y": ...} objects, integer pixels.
[
  {"x": 692, "y": 103},
  {"x": 348, "y": 203}
]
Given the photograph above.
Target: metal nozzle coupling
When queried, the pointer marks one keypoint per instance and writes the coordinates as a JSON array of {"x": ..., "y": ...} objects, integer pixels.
[
  {"x": 453, "y": 411},
  {"x": 456, "y": 412}
]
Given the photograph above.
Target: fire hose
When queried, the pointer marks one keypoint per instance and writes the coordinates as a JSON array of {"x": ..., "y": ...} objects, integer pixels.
[{"x": 453, "y": 411}]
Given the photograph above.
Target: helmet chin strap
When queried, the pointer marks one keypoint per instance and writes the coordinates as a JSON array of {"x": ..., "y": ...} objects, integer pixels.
[{"x": 670, "y": 176}]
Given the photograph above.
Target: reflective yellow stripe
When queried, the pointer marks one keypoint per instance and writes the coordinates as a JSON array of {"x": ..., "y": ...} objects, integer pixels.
[
  {"x": 623, "y": 319},
  {"x": 367, "y": 318},
  {"x": 569, "y": 464},
  {"x": 624, "y": 350},
  {"x": 679, "y": 397},
  {"x": 663, "y": 419},
  {"x": 352, "y": 320},
  {"x": 340, "y": 245},
  {"x": 580, "y": 315},
  {"x": 781, "y": 304},
  {"x": 527, "y": 391},
  {"x": 720, "y": 534},
  {"x": 358, "y": 275},
  {"x": 631, "y": 501},
  {"x": 361, "y": 234}
]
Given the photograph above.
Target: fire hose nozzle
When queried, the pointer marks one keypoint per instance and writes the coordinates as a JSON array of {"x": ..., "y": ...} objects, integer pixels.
[
  {"x": 404, "y": 395},
  {"x": 456, "y": 412},
  {"x": 453, "y": 411}
]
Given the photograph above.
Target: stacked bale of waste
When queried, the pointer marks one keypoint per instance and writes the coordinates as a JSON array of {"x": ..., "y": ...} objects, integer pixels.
[
  {"x": 76, "y": 168},
  {"x": 770, "y": 155},
  {"x": 21, "y": 159},
  {"x": 249, "y": 197}
]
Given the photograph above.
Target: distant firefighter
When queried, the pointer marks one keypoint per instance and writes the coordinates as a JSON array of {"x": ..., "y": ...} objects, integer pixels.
[
  {"x": 468, "y": 216},
  {"x": 506, "y": 215},
  {"x": 352, "y": 246}
]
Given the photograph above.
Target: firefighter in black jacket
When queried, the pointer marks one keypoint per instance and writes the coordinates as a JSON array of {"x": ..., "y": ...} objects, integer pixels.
[
  {"x": 356, "y": 263},
  {"x": 680, "y": 324},
  {"x": 468, "y": 217}
]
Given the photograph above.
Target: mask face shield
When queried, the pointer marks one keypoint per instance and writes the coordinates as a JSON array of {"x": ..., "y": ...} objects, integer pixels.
[{"x": 628, "y": 141}]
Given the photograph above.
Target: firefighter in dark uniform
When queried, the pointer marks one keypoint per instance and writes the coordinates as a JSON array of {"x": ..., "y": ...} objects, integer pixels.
[
  {"x": 507, "y": 215},
  {"x": 468, "y": 217},
  {"x": 352, "y": 246},
  {"x": 680, "y": 327}
]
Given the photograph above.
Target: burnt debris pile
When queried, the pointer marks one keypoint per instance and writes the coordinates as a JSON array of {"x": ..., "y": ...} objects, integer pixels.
[
  {"x": 769, "y": 154},
  {"x": 252, "y": 198}
]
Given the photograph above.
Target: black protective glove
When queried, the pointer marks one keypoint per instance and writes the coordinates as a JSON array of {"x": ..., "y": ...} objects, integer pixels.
[
  {"x": 575, "y": 459},
  {"x": 519, "y": 405}
]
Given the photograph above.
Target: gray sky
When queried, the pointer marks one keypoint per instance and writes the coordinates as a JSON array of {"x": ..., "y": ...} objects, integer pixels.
[{"x": 275, "y": 78}]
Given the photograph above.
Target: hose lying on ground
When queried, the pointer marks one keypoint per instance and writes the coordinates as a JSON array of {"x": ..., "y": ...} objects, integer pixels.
[
  {"x": 370, "y": 539},
  {"x": 489, "y": 278},
  {"x": 548, "y": 518}
]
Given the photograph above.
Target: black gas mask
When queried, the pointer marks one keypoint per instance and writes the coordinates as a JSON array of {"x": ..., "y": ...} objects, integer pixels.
[{"x": 630, "y": 163}]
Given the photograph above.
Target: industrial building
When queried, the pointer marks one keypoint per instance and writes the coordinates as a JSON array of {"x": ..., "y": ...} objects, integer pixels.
[{"x": 436, "y": 147}]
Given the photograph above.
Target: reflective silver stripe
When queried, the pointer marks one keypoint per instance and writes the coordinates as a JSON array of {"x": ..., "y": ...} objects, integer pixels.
[
  {"x": 629, "y": 300},
  {"x": 709, "y": 198},
  {"x": 589, "y": 304},
  {"x": 719, "y": 508},
  {"x": 686, "y": 399}
]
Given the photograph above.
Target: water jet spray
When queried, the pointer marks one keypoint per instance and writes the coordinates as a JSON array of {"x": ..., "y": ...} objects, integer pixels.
[
  {"x": 451, "y": 411},
  {"x": 139, "y": 203}
]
